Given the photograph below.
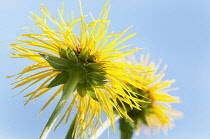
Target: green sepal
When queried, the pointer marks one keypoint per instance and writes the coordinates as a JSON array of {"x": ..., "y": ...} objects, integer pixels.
[
  {"x": 81, "y": 89},
  {"x": 97, "y": 83},
  {"x": 56, "y": 63},
  {"x": 83, "y": 54},
  {"x": 126, "y": 129},
  {"x": 100, "y": 71},
  {"x": 134, "y": 114},
  {"x": 96, "y": 79},
  {"x": 94, "y": 66},
  {"x": 139, "y": 115},
  {"x": 91, "y": 91},
  {"x": 96, "y": 76},
  {"x": 61, "y": 78},
  {"x": 62, "y": 53},
  {"x": 91, "y": 58},
  {"x": 149, "y": 110},
  {"x": 71, "y": 55},
  {"x": 143, "y": 119}
]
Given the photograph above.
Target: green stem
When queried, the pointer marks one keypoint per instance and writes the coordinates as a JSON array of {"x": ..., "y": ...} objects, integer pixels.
[
  {"x": 71, "y": 128},
  {"x": 68, "y": 88}
]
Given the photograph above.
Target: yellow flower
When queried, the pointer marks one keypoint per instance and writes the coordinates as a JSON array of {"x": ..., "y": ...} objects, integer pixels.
[
  {"x": 158, "y": 113},
  {"x": 83, "y": 62}
]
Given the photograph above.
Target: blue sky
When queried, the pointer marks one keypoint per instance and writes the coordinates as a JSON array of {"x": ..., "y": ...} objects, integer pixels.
[{"x": 177, "y": 31}]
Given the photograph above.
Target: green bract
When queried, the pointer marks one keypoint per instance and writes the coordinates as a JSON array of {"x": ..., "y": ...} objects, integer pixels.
[
  {"x": 135, "y": 114},
  {"x": 57, "y": 63},
  {"x": 61, "y": 78},
  {"x": 92, "y": 74}
]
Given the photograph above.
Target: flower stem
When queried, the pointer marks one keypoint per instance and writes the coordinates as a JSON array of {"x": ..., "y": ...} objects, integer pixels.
[
  {"x": 69, "y": 87},
  {"x": 71, "y": 128},
  {"x": 78, "y": 134}
]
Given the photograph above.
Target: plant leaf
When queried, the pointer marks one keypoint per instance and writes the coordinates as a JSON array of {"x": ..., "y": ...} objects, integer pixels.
[
  {"x": 61, "y": 78},
  {"x": 55, "y": 62}
]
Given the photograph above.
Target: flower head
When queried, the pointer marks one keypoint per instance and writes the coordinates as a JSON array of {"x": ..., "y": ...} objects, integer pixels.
[
  {"x": 83, "y": 65},
  {"x": 157, "y": 113}
]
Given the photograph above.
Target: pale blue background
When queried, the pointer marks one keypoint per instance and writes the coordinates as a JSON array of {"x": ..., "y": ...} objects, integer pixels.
[{"x": 178, "y": 31}]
